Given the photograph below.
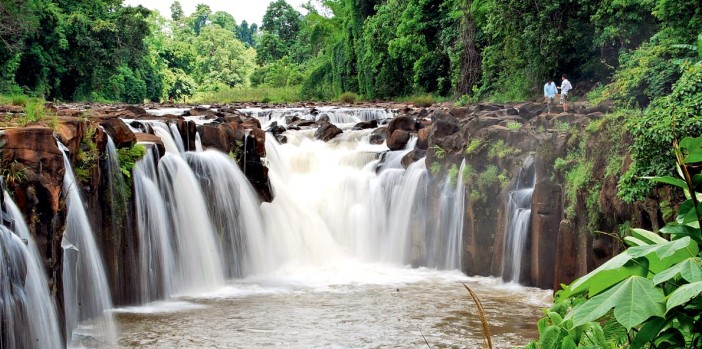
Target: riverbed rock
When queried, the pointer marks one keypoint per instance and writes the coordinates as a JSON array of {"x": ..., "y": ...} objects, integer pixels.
[
  {"x": 398, "y": 140},
  {"x": 121, "y": 134},
  {"x": 378, "y": 136},
  {"x": 404, "y": 123},
  {"x": 423, "y": 137},
  {"x": 365, "y": 125},
  {"x": 327, "y": 131},
  {"x": 149, "y": 139}
]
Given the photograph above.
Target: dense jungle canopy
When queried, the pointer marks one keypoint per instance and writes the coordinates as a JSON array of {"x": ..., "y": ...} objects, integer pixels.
[{"x": 379, "y": 49}]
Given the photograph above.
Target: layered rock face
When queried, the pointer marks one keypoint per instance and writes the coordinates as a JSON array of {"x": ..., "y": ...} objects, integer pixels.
[
  {"x": 497, "y": 143},
  {"x": 33, "y": 167}
]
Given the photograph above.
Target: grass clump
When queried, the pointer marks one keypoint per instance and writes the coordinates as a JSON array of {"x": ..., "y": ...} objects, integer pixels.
[
  {"x": 499, "y": 150},
  {"x": 348, "y": 98},
  {"x": 262, "y": 94},
  {"x": 435, "y": 168},
  {"x": 128, "y": 157},
  {"x": 439, "y": 151},
  {"x": 453, "y": 175},
  {"x": 419, "y": 100},
  {"x": 474, "y": 147},
  {"x": 514, "y": 125}
]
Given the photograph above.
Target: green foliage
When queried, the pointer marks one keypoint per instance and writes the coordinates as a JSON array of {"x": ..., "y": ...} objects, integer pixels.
[
  {"x": 649, "y": 293},
  {"x": 678, "y": 114},
  {"x": 438, "y": 151},
  {"x": 561, "y": 126},
  {"x": 258, "y": 94},
  {"x": 514, "y": 125},
  {"x": 474, "y": 147},
  {"x": 422, "y": 101},
  {"x": 348, "y": 97},
  {"x": 128, "y": 157},
  {"x": 435, "y": 168},
  {"x": 498, "y": 150}
]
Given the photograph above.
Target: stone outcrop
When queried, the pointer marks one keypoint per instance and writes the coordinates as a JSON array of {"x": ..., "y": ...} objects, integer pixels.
[{"x": 327, "y": 131}]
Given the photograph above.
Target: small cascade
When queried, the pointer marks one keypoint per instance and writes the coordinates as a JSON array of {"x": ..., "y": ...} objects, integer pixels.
[
  {"x": 518, "y": 223},
  {"x": 334, "y": 114},
  {"x": 27, "y": 312},
  {"x": 406, "y": 201},
  {"x": 85, "y": 290},
  {"x": 198, "y": 260},
  {"x": 233, "y": 207},
  {"x": 156, "y": 257},
  {"x": 444, "y": 248},
  {"x": 198, "y": 142},
  {"x": 176, "y": 136},
  {"x": 454, "y": 245}
]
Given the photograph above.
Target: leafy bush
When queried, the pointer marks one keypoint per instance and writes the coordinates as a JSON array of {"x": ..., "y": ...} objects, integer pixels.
[
  {"x": 647, "y": 296},
  {"x": 679, "y": 113},
  {"x": 348, "y": 97},
  {"x": 422, "y": 101}
]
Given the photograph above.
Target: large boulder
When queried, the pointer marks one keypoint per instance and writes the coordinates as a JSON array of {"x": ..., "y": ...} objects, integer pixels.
[
  {"x": 120, "y": 133},
  {"x": 398, "y": 140},
  {"x": 151, "y": 140},
  {"x": 404, "y": 123},
  {"x": 365, "y": 124},
  {"x": 530, "y": 110},
  {"x": 327, "y": 131}
]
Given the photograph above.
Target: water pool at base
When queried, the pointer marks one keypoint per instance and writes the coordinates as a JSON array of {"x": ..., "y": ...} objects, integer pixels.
[{"x": 354, "y": 305}]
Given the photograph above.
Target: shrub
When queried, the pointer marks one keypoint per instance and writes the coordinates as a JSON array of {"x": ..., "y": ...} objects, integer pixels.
[
  {"x": 647, "y": 296},
  {"x": 348, "y": 97},
  {"x": 677, "y": 115},
  {"x": 422, "y": 101}
]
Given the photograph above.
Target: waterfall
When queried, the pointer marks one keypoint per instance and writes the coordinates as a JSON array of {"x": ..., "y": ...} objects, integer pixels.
[
  {"x": 444, "y": 250},
  {"x": 518, "y": 223},
  {"x": 156, "y": 257},
  {"x": 27, "y": 312},
  {"x": 180, "y": 240},
  {"x": 233, "y": 208},
  {"x": 85, "y": 290}
]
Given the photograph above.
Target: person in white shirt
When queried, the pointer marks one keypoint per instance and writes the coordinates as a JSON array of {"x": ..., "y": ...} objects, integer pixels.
[
  {"x": 550, "y": 92},
  {"x": 565, "y": 89}
]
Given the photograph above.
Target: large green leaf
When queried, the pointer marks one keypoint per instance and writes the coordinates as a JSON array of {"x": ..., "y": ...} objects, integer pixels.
[
  {"x": 607, "y": 275},
  {"x": 661, "y": 256},
  {"x": 648, "y": 236},
  {"x": 634, "y": 300},
  {"x": 683, "y": 294},
  {"x": 648, "y": 331},
  {"x": 690, "y": 270},
  {"x": 680, "y": 230},
  {"x": 670, "y": 180}
]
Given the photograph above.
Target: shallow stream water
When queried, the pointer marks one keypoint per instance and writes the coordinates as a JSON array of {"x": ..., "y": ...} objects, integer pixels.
[{"x": 353, "y": 305}]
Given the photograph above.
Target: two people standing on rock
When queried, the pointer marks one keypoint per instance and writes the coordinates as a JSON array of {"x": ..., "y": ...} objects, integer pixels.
[{"x": 550, "y": 91}]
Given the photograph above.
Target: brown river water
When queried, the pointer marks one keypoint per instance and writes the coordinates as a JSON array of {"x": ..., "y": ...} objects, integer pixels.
[{"x": 363, "y": 306}]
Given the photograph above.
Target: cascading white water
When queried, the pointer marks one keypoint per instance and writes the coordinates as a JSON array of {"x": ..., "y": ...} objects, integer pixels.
[
  {"x": 27, "y": 312},
  {"x": 156, "y": 255},
  {"x": 198, "y": 264},
  {"x": 86, "y": 293},
  {"x": 517, "y": 233},
  {"x": 448, "y": 231},
  {"x": 234, "y": 212},
  {"x": 335, "y": 115},
  {"x": 333, "y": 193}
]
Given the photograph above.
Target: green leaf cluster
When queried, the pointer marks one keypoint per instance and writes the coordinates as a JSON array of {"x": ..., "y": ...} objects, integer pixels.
[{"x": 650, "y": 295}]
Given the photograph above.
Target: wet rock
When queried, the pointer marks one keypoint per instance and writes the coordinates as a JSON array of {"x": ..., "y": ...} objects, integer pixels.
[
  {"x": 404, "y": 123},
  {"x": 151, "y": 140},
  {"x": 324, "y": 118},
  {"x": 461, "y": 113},
  {"x": 604, "y": 107},
  {"x": 289, "y": 119},
  {"x": 260, "y": 137},
  {"x": 206, "y": 113},
  {"x": 530, "y": 110},
  {"x": 70, "y": 132},
  {"x": 378, "y": 136},
  {"x": 444, "y": 124},
  {"x": 413, "y": 156},
  {"x": 365, "y": 125},
  {"x": 121, "y": 134},
  {"x": 327, "y": 131},
  {"x": 276, "y": 129},
  {"x": 398, "y": 140},
  {"x": 251, "y": 123},
  {"x": 423, "y": 137},
  {"x": 302, "y": 123}
]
